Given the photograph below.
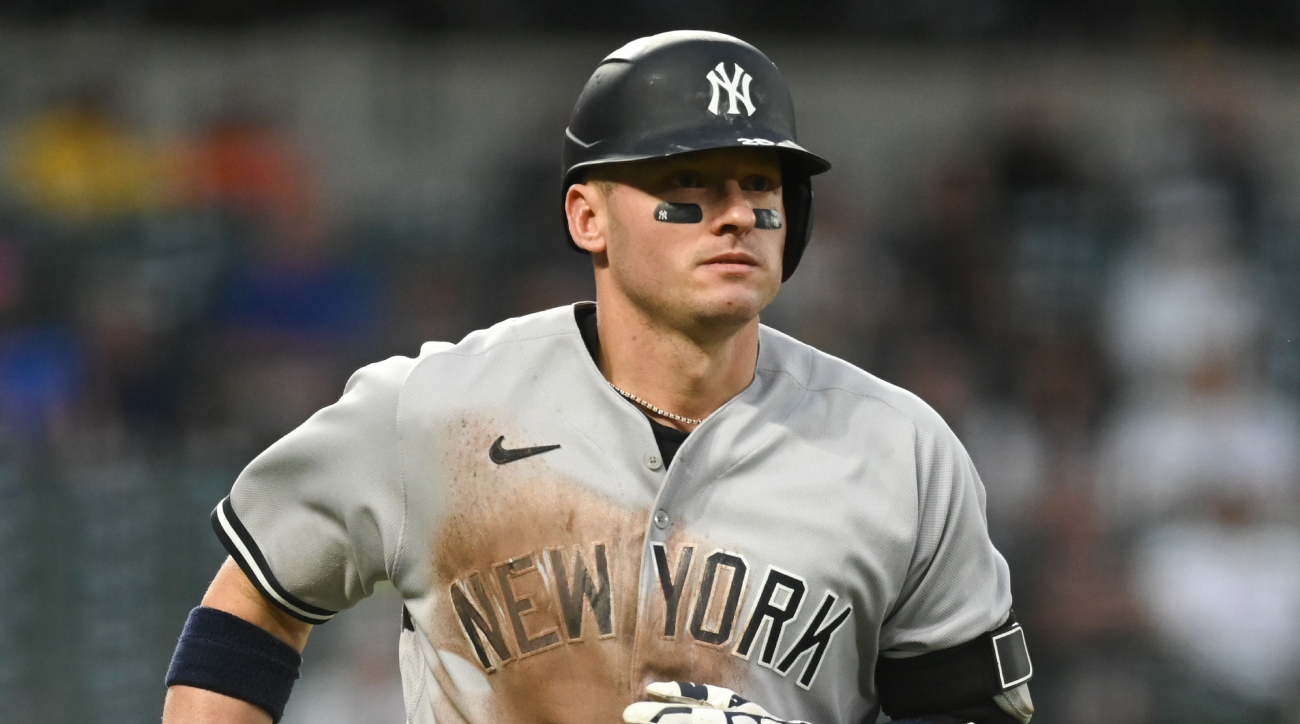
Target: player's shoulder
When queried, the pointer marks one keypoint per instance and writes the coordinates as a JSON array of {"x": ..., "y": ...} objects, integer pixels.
[
  {"x": 386, "y": 378},
  {"x": 394, "y": 372},
  {"x": 820, "y": 373},
  {"x": 538, "y": 327}
]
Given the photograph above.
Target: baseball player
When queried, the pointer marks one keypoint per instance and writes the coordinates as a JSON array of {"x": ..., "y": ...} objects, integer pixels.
[{"x": 647, "y": 509}]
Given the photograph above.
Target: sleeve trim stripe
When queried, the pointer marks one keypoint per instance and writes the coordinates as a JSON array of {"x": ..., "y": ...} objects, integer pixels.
[{"x": 241, "y": 546}]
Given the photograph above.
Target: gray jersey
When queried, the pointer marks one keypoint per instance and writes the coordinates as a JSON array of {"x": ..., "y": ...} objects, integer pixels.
[{"x": 552, "y": 565}]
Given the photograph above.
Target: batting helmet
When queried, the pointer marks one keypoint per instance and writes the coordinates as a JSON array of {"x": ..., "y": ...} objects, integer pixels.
[{"x": 686, "y": 91}]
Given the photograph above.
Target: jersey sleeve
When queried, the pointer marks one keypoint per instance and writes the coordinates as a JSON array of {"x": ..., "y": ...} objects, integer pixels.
[
  {"x": 316, "y": 520},
  {"x": 957, "y": 585}
]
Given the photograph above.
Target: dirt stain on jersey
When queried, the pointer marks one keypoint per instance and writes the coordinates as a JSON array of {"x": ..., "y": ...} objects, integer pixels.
[{"x": 517, "y": 538}]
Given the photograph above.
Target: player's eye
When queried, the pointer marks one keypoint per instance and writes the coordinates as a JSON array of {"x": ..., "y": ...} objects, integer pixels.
[
  {"x": 759, "y": 182},
  {"x": 687, "y": 180}
]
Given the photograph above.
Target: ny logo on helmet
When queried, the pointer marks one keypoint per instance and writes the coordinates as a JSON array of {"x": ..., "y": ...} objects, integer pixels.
[{"x": 737, "y": 88}]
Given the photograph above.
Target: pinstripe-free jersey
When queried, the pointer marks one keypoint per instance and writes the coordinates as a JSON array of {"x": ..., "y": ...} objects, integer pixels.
[{"x": 552, "y": 565}]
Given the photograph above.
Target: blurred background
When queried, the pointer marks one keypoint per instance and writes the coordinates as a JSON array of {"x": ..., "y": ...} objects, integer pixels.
[{"x": 1071, "y": 227}]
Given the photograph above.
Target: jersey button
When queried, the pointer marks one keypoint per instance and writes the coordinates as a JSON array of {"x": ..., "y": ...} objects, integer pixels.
[
  {"x": 653, "y": 461},
  {"x": 661, "y": 519}
]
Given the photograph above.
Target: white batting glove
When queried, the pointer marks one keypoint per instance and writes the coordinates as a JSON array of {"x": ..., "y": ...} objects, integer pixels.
[{"x": 683, "y": 702}]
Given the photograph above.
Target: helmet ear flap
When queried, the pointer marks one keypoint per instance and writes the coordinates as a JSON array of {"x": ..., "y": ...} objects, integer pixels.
[{"x": 797, "y": 195}]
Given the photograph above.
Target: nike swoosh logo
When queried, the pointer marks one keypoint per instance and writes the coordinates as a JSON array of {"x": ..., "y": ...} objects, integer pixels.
[{"x": 501, "y": 455}]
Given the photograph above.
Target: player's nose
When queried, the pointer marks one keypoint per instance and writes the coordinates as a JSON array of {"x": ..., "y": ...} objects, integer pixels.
[{"x": 734, "y": 214}]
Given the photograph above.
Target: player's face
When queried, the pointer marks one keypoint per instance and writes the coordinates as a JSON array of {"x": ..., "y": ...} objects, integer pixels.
[{"x": 721, "y": 270}]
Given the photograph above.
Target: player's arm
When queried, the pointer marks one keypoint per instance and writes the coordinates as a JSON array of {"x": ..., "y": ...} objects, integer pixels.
[
  {"x": 223, "y": 664},
  {"x": 984, "y": 681},
  {"x": 311, "y": 525},
  {"x": 951, "y": 648}
]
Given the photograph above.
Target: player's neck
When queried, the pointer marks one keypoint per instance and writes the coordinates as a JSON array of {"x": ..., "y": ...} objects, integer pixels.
[{"x": 690, "y": 375}]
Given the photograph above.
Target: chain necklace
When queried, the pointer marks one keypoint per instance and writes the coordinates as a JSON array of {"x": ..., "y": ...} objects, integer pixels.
[{"x": 655, "y": 410}]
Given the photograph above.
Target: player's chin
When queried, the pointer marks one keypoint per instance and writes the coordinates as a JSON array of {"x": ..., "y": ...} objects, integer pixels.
[{"x": 735, "y": 303}]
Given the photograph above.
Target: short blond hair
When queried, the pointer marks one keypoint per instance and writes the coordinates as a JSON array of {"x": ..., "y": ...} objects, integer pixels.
[{"x": 599, "y": 177}]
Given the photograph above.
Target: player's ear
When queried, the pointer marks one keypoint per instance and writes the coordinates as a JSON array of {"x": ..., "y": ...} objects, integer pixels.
[{"x": 588, "y": 215}]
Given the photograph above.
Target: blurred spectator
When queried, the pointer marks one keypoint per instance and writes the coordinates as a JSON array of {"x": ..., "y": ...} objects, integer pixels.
[
  {"x": 1183, "y": 325},
  {"x": 75, "y": 162},
  {"x": 244, "y": 165},
  {"x": 128, "y": 322},
  {"x": 42, "y": 362},
  {"x": 1164, "y": 457},
  {"x": 1221, "y": 147},
  {"x": 1182, "y": 296},
  {"x": 293, "y": 320},
  {"x": 954, "y": 272},
  {"x": 42, "y": 371},
  {"x": 1223, "y": 593},
  {"x": 1065, "y": 387},
  {"x": 1058, "y": 247},
  {"x": 297, "y": 293}
]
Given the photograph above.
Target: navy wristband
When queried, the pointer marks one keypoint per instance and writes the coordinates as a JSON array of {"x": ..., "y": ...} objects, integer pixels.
[{"x": 224, "y": 653}]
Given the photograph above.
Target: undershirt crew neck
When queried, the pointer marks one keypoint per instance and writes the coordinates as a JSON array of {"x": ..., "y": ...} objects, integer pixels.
[{"x": 669, "y": 439}]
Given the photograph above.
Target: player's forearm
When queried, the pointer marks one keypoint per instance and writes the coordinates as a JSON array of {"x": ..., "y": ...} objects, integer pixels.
[
  {"x": 188, "y": 705},
  {"x": 240, "y": 665}
]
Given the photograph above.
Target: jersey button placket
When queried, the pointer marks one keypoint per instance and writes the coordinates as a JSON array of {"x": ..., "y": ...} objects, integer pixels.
[{"x": 660, "y": 518}]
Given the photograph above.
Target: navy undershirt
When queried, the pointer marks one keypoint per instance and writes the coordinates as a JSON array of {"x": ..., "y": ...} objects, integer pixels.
[{"x": 668, "y": 439}]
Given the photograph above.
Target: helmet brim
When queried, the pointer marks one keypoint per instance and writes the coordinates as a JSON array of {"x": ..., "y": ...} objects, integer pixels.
[{"x": 795, "y": 158}]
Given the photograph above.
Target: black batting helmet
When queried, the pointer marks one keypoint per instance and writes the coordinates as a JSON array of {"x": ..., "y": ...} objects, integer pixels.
[{"x": 690, "y": 90}]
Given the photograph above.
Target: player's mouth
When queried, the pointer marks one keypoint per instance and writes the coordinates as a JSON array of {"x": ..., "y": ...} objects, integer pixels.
[{"x": 731, "y": 261}]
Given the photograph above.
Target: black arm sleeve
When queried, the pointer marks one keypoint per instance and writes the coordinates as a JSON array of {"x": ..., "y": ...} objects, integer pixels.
[{"x": 959, "y": 682}]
